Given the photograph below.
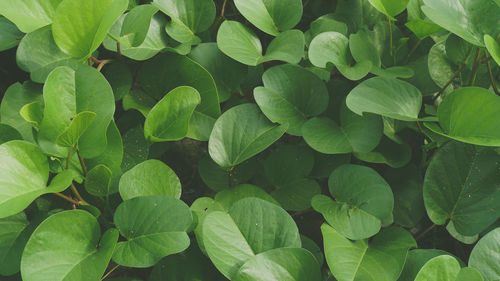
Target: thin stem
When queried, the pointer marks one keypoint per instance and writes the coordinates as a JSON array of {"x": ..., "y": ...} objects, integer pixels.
[
  {"x": 70, "y": 150},
  {"x": 102, "y": 63},
  {"x": 423, "y": 233},
  {"x": 67, "y": 198},
  {"x": 459, "y": 70},
  {"x": 118, "y": 49},
  {"x": 415, "y": 47},
  {"x": 230, "y": 178},
  {"x": 492, "y": 79},
  {"x": 77, "y": 194},
  {"x": 390, "y": 36},
  {"x": 109, "y": 272},
  {"x": 116, "y": 39},
  {"x": 223, "y": 10},
  {"x": 474, "y": 67},
  {"x": 82, "y": 163}
]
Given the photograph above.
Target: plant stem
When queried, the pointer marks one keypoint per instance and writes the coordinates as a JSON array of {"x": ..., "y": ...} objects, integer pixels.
[
  {"x": 116, "y": 39},
  {"x": 474, "y": 67},
  {"x": 423, "y": 233},
  {"x": 230, "y": 178},
  {"x": 492, "y": 79},
  {"x": 109, "y": 272},
  {"x": 415, "y": 47},
  {"x": 118, "y": 49},
  {"x": 70, "y": 150},
  {"x": 67, "y": 198},
  {"x": 77, "y": 194},
  {"x": 223, "y": 10},
  {"x": 449, "y": 81},
  {"x": 101, "y": 65},
  {"x": 82, "y": 163}
]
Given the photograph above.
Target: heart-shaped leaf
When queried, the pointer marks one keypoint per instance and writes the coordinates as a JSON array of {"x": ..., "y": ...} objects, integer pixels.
[
  {"x": 154, "y": 226},
  {"x": 390, "y": 8},
  {"x": 151, "y": 177},
  {"x": 169, "y": 119},
  {"x": 79, "y": 27},
  {"x": 24, "y": 173},
  {"x": 363, "y": 201},
  {"x": 70, "y": 136},
  {"x": 493, "y": 48},
  {"x": 68, "y": 92},
  {"x": 136, "y": 23},
  {"x": 462, "y": 183},
  {"x": 98, "y": 181},
  {"x": 447, "y": 268},
  {"x": 358, "y": 260},
  {"x": 272, "y": 16},
  {"x": 10, "y": 34},
  {"x": 232, "y": 239},
  {"x": 46, "y": 255},
  {"x": 29, "y": 15},
  {"x": 290, "y": 95},
  {"x": 486, "y": 255},
  {"x": 415, "y": 261},
  {"x": 240, "y": 133},
  {"x": 388, "y": 97},
  {"x": 226, "y": 198}
]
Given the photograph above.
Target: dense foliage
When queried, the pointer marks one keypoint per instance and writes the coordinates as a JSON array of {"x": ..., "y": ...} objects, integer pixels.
[{"x": 250, "y": 140}]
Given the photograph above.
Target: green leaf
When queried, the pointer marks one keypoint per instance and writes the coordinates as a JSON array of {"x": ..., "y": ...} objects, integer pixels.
[
  {"x": 288, "y": 163},
  {"x": 217, "y": 178},
  {"x": 227, "y": 198},
  {"x": 441, "y": 69},
  {"x": 98, "y": 181},
  {"x": 10, "y": 34},
  {"x": 24, "y": 174},
  {"x": 187, "y": 17},
  {"x": 390, "y": 8},
  {"x": 135, "y": 148},
  {"x": 46, "y": 256},
  {"x": 359, "y": 260},
  {"x": 388, "y": 152},
  {"x": 169, "y": 119},
  {"x": 333, "y": 47},
  {"x": 32, "y": 113},
  {"x": 271, "y": 16},
  {"x": 136, "y": 23},
  {"x": 240, "y": 133},
  {"x": 493, "y": 48},
  {"x": 462, "y": 183},
  {"x": 387, "y": 97},
  {"x": 29, "y": 15},
  {"x": 120, "y": 78},
  {"x": 296, "y": 195},
  {"x": 280, "y": 264},
  {"x": 241, "y": 44},
  {"x": 356, "y": 134},
  {"x": 79, "y": 27},
  {"x": 11, "y": 242},
  {"x": 469, "y": 115},
  {"x": 227, "y": 73},
  {"x": 462, "y": 238},
  {"x": 70, "y": 136},
  {"x": 363, "y": 201},
  {"x": 8, "y": 133},
  {"x": 232, "y": 239},
  {"x": 38, "y": 54},
  {"x": 486, "y": 255},
  {"x": 446, "y": 268},
  {"x": 16, "y": 96},
  {"x": 415, "y": 261},
  {"x": 200, "y": 208},
  {"x": 154, "y": 226},
  {"x": 479, "y": 17},
  {"x": 68, "y": 92},
  {"x": 283, "y": 99},
  {"x": 151, "y": 177}
]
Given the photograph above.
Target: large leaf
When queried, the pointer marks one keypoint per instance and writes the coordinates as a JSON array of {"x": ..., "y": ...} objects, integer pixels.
[
  {"x": 136, "y": 23},
  {"x": 333, "y": 47},
  {"x": 38, "y": 54},
  {"x": 388, "y": 97},
  {"x": 29, "y": 15},
  {"x": 240, "y": 133},
  {"x": 24, "y": 171},
  {"x": 390, "y": 8},
  {"x": 478, "y": 17},
  {"x": 271, "y": 16},
  {"x": 470, "y": 115},
  {"x": 79, "y": 27},
  {"x": 68, "y": 92},
  {"x": 47, "y": 256},
  {"x": 154, "y": 226},
  {"x": 290, "y": 95},
  {"x": 462, "y": 183},
  {"x": 356, "y": 133},
  {"x": 486, "y": 255},
  {"x": 241, "y": 44},
  {"x": 281, "y": 264},
  {"x": 415, "y": 260},
  {"x": 169, "y": 119},
  {"x": 232, "y": 239},
  {"x": 151, "y": 177},
  {"x": 187, "y": 17},
  {"x": 380, "y": 260},
  {"x": 71, "y": 135},
  {"x": 11, "y": 242},
  {"x": 447, "y": 268},
  {"x": 363, "y": 201}
]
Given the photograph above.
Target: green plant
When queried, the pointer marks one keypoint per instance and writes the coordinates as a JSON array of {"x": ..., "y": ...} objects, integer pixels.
[{"x": 250, "y": 140}]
